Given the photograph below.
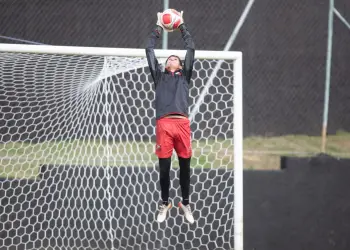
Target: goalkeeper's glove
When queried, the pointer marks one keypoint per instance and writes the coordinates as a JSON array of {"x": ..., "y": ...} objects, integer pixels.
[
  {"x": 181, "y": 19},
  {"x": 159, "y": 18}
]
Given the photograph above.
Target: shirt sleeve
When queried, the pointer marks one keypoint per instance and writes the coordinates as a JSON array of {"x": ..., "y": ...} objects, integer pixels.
[
  {"x": 151, "y": 57},
  {"x": 190, "y": 51}
]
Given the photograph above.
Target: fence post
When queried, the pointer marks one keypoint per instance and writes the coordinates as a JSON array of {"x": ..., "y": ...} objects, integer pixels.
[
  {"x": 328, "y": 75},
  {"x": 165, "y": 34}
]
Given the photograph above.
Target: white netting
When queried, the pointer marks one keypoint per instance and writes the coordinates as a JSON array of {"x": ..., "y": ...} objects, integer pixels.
[{"x": 77, "y": 156}]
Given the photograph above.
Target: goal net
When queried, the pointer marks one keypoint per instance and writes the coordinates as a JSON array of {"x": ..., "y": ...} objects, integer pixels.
[{"x": 77, "y": 162}]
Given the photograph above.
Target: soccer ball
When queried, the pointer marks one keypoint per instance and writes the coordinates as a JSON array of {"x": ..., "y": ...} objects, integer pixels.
[{"x": 170, "y": 19}]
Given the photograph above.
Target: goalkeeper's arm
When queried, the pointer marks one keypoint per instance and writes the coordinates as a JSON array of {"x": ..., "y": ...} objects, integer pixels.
[
  {"x": 189, "y": 46},
  {"x": 151, "y": 57}
]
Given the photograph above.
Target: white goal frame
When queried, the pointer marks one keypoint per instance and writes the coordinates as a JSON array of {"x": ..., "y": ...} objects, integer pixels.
[{"x": 235, "y": 56}]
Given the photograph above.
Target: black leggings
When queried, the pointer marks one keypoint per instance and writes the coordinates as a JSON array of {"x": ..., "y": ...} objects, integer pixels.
[{"x": 185, "y": 176}]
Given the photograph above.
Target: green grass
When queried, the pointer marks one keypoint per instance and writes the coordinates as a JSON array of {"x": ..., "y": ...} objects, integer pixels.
[
  {"x": 264, "y": 153},
  {"x": 22, "y": 159}
]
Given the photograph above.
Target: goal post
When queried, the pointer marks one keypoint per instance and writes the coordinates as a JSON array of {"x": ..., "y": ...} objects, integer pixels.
[{"x": 77, "y": 138}]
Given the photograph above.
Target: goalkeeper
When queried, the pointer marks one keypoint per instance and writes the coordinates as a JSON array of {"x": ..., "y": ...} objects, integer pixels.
[{"x": 172, "y": 123}]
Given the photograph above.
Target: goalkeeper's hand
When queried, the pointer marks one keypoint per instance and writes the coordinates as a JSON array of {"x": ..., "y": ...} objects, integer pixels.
[
  {"x": 159, "y": 17},
  {"x": 181, "y": 19}
]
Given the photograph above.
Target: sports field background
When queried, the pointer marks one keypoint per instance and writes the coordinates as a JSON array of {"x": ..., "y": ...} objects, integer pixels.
[{"x": 22, "y": 159}]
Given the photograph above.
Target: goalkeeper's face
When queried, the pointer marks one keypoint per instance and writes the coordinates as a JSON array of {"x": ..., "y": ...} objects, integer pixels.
[{"x": 173, "y": 63}]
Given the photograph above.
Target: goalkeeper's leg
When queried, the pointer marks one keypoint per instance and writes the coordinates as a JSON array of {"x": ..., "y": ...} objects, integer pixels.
[
  {"x": 164, "y": 180},
  {"x": 164, "y": 150},
  {"x": 183, "y": 149},
  {"x": 185, "y": 177}
]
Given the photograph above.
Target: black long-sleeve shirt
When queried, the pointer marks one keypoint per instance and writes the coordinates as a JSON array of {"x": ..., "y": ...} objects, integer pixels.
[{"x": 172, "y": 88}]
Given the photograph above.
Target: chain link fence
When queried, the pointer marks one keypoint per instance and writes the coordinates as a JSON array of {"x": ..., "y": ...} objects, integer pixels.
[{"x": 284, "y": 44}]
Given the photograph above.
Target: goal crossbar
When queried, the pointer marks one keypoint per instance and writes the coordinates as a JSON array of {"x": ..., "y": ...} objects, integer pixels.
[{"x": 105, "y": 51}]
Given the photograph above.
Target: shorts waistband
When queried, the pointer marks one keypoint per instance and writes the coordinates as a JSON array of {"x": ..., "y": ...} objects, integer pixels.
[{"x": 175, "y": 120}]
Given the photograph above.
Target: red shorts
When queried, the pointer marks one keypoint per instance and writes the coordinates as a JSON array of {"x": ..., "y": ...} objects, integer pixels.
[{"x": 173, "y": 133}]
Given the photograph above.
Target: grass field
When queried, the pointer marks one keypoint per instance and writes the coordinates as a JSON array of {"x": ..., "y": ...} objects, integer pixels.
[{"x": 22, "y": 160}]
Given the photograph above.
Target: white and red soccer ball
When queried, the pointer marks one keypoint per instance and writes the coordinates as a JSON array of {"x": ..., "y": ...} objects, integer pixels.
[{"x": 171, "y": 19}]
